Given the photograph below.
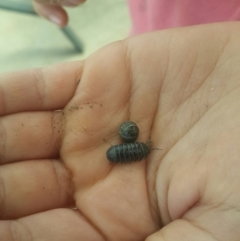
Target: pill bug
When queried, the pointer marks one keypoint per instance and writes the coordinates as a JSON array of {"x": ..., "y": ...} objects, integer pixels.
[
  {"x": 128, "y": 152},
  {"x": 128, "y": 131}
]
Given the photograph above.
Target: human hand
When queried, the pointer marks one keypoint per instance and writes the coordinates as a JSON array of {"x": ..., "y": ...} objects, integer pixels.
[
  {"x": 181, "y": 87},
  {"x": 53, "y": 10}
]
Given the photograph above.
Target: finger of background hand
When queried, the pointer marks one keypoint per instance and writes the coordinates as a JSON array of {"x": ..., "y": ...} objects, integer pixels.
[
  {"x": 54, "y": 225},
  {"x": 55, "y": 14},
  {"x": 48, "y": 88},
  {"x": 61, "y": 2},
  {"x": 33, "y": 135},
  {"x": 33, "y": 186}
]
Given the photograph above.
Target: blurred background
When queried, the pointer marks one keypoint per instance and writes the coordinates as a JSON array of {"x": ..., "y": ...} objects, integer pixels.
[{"x": 28, "y": 41}]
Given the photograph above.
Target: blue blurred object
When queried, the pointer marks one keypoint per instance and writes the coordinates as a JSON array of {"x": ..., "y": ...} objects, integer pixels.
[{"x": 28, "y": 9}]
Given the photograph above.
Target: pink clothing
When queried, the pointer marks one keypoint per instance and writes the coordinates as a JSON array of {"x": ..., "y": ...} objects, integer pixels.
[{"x": 150, "y": 15}]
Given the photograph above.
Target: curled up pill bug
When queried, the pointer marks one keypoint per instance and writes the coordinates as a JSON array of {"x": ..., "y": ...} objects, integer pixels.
[
  {"x": 128, "y": 152},
  {"x": 128, "y": 131}
]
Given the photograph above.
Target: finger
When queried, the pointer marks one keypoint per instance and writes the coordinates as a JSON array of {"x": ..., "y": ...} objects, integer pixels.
[
  {"x": 34, "y": 135},
  {"x": 48, "y": 88},
  {"x": 54, "y": 225},
  {"x": 69, "y": 3},
  {"x": 55, "y": 14},
  {"x": 33, "y": 186}
]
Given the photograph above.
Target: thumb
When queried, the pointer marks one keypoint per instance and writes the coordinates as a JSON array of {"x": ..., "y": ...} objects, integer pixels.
[{"x": 181, "y": 230}]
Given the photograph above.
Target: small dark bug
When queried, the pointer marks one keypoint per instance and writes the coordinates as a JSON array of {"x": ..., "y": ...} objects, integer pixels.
[
  {"x": 128, "y": 131},
  {"x": 129, "y": 152}
]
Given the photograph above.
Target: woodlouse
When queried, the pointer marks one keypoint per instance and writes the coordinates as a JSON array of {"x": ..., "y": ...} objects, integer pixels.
[
  {"x": 129, "y": 152},
  {"x": 128, "y": 131}
]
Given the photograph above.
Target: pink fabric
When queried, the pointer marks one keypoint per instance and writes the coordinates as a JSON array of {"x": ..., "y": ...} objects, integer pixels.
[{"x": 150, "y": 15}]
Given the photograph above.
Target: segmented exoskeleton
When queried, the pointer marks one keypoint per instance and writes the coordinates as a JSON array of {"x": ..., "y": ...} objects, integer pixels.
[{"x": 129, "y": 152}]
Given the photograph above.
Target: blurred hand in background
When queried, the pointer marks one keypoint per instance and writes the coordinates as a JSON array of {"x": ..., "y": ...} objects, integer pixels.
[{"x": 54, "y": 11}]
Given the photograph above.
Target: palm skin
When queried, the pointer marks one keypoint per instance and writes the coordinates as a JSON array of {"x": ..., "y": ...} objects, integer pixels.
[{"x": 181, "y": 87}]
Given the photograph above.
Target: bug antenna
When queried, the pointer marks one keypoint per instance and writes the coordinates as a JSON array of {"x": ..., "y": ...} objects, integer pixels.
[{"x": 156, "y": 149}]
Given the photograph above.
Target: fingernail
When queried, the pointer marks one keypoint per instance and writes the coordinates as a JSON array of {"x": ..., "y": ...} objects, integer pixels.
[
  {"x": 55, "y": 19},
  {"x": 70, "y": 3}
]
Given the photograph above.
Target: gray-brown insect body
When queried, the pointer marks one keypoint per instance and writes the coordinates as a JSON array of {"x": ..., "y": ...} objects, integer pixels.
[
  {"x": 129, "y": 152},
  {"x": 129, "y": 131}
]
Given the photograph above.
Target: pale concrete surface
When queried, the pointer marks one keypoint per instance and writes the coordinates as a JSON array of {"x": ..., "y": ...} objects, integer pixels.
[{"x": 27, "y": 41}]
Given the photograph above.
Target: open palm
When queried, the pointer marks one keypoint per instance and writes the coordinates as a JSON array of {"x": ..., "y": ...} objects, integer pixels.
[{"x": 182, "y": 89}]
